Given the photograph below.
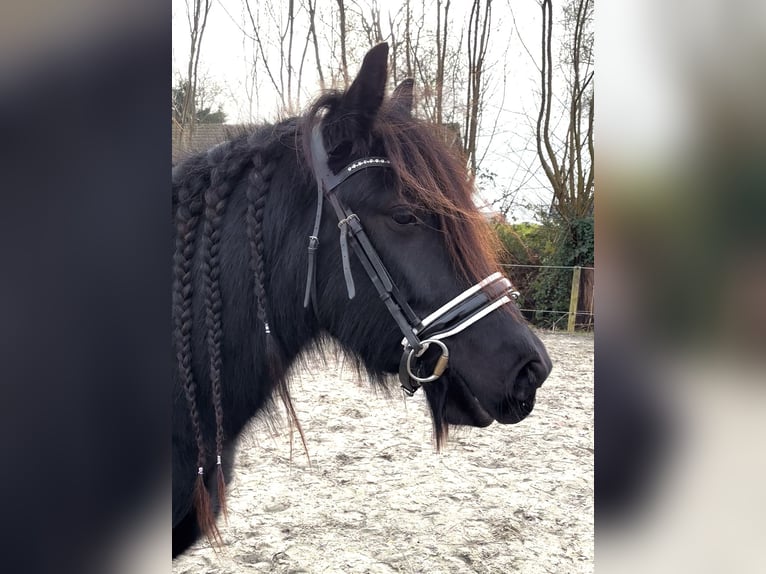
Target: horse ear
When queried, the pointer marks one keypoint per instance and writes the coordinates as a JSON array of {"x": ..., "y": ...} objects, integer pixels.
[
  {"x": 365, "y": 95},
  {"x": 402, "y": 96}
]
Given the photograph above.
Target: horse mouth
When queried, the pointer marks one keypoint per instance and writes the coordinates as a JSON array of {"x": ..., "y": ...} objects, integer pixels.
[
  {"x": 516, "y": 410},
  {"x": 462, "y": 407}
]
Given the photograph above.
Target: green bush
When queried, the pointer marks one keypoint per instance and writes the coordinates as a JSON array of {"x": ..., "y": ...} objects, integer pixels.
[{"x": 553, "y": 242}]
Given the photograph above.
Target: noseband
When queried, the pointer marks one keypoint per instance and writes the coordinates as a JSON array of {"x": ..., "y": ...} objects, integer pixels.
[{"x": 470, "y": 306}]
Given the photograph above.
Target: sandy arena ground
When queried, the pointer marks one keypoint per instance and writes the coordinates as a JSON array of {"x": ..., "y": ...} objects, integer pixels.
[{"x": 378, "y": 499}]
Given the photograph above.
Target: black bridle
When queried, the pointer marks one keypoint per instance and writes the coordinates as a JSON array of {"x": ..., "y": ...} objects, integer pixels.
[{"x": 456, "y": 315}]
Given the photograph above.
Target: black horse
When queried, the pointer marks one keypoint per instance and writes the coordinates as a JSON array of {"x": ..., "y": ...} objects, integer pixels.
[{"x": 411, "y": 239}]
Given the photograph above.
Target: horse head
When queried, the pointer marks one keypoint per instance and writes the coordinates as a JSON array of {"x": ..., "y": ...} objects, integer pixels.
[{"x": 415, "y": 211}]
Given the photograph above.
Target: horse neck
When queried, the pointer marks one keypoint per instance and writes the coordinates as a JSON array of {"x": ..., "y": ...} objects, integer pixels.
[{"x": 287, "y": 221}]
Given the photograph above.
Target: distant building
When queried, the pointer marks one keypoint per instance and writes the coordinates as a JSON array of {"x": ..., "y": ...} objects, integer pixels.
[{"x": 204, "y": 137}]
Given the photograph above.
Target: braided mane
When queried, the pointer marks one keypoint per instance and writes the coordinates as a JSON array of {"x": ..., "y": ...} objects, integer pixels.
[{"x": 202, "y": 186}]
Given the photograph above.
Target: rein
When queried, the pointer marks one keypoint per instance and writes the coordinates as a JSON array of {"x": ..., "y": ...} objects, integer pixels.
[{"x": 467, "y": 308}]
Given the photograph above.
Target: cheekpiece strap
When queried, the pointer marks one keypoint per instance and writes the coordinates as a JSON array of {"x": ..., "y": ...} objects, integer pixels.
[{"x": 343, "y": 226}]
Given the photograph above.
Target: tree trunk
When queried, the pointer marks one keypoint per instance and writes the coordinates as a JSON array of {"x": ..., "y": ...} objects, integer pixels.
[
  {"x": 290, "y": 35},
  {"x": 568, "y": 171},
  {"x": 441, "y": 55},
  {"x": 408, "y": 40},
  {"x": 262, "y": 52},
  {"x": 343, "y": 56},
  {"x": 312, "y": 7},
  {"x": 478, "y": 41},
  {"x": 197, "y": 23}
]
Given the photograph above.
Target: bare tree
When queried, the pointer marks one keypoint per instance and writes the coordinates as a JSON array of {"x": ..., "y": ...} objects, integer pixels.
[
  {"x": 478, "y": 42},
  {"x": 290, "y": 32},
  {"x": 394, "y": 43},
  {"x": 430, "y": 55},
  {"x": 255, "y": 26},
  {"x": 312, "y": 8},
  {"x": 371, "y": 26},
  {"x": 441, "y": 55},
  {"x": 206, "y": 99},
  {"x": 407, "y": 51},
  {"x": 408, "y": 39},
  {"x": 568, "y": 165},
  {"x": 432, "y": 50},
  {"x": 196, "y": 14},
  {"x": 306, "y": 42},
  {"x": 342, "y": 33}
]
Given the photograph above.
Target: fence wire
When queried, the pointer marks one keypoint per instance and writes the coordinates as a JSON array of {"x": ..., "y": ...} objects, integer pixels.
[{"x": 574, "y": 318}]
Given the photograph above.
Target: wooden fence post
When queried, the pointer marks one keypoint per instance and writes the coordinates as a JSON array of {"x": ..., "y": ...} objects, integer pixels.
[{"x": 574, "y": 299}]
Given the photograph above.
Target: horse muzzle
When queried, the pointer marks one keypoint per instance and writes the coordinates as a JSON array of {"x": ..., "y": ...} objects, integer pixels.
[{"x": 456, "y": 315}]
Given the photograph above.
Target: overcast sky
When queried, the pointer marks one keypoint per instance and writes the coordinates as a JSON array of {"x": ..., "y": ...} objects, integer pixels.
[{"x": 509, "y": 111}]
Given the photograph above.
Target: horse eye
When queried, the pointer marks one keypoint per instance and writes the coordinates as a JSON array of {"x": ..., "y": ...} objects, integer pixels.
[
  {"x": 404, "y": 217},
  {"x": 341, "y": 151}
]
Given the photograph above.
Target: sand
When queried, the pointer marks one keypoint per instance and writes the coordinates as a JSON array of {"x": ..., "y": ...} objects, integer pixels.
[{"x": 378, "y": 499}]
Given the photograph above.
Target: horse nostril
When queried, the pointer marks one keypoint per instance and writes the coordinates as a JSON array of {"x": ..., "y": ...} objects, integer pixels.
[{"x": 531, "y": 376}]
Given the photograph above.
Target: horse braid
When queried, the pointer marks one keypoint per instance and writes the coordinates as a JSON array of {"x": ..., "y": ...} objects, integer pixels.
[
  {"x": 260, "y": 177},
  {"x": 263, "y": 168},
  {"x": 224, "y": 170},
  {"x": 186, "y": 218}
]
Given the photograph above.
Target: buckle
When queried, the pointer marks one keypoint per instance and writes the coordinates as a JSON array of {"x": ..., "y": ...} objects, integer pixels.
[
  {"x": 313, "y": 242},
  {"x": 409, "y": 389},
  {"x": 347, "y": 220}
]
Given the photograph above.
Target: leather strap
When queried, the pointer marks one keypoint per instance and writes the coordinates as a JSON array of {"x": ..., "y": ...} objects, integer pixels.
[
  {"x": 311, "y": 277},
  {"x": 409, "y": 385},
  {"x": 352, "y": 232},
  {"x": 343, "y": 226},
  {"x": 313, "y": 247}
]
